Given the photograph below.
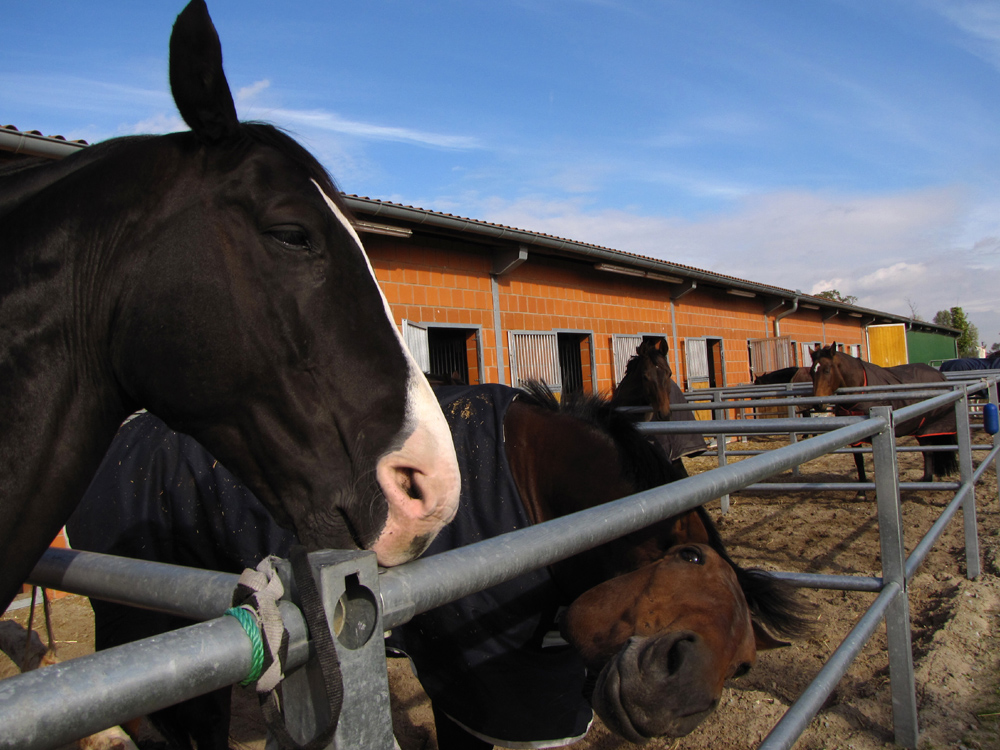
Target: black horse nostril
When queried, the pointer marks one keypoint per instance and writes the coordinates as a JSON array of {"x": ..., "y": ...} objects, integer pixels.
[
  {"x": 676, "y": 655},
  {"x": 666, "y": 656}
]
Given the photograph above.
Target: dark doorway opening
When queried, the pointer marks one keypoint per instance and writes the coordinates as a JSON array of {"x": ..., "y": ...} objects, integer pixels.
[{"x": 575, "y": 362}]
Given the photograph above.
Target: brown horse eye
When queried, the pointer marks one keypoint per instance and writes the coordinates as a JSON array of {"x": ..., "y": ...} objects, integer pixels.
[{"x": 692, "y": 555}]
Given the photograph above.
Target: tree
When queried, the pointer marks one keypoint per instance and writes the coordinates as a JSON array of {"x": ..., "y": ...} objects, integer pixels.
[
  {"x": 943, "y": 318},
  {"x": 968, "y": 342},
  {"x": 836, "y": 296}
]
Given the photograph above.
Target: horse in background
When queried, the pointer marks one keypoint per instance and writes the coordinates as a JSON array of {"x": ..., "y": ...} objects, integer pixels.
[
  {"x": 528, "y": 459},
  {"x": 648, "y": 381},
  {"x": 832, "y": 369},
  {"x": 784, "y": 375},
  {"x": 213, "y": 277}
]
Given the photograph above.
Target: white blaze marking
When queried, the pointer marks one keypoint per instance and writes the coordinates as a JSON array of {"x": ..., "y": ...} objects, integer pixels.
[{"x": 421, "y": 404}]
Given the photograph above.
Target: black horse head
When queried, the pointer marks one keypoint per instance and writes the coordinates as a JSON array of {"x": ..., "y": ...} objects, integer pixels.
[{"x": 213, "y": 277}]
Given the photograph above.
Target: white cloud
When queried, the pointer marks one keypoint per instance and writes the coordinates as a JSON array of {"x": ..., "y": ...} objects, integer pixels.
[
  {"x": 887, "y": 250},
  {"x": 331, "y": 122},
  {"x": 897, "y": 273},
  {"x": 159, "y": 123},
  {"x": 247, "y": 95}
]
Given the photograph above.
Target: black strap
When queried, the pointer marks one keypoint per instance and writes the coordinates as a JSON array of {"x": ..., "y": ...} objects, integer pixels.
[{"x": 326, "y": 653}]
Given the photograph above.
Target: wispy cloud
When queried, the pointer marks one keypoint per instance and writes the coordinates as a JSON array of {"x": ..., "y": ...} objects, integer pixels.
[
  {"x": 159, "y": 123},
  {"x": 331, "y": 122},
  {"x": 979, "y": 20},
  {"x": 247, "y": 96},
  {"x": 75, "y": 93}
]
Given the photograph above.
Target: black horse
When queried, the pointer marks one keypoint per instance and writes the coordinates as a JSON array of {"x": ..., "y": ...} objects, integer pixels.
[
  {"x": 214, "y": 278},
  {"x": 526, "y": 459},
  {"x": 784, "y": 375}
]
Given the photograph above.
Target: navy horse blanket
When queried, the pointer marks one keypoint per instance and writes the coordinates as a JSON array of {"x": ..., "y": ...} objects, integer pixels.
[
  {"x": 971, "y": 363},
  {"x": 484, "y": 660},
  {"x": 940, "y": 421}
]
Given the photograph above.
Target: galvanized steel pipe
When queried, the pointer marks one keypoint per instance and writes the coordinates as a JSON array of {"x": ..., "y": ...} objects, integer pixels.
[
  {"x": 51, "y": 707},
  {"x": 432, "y": 581}
]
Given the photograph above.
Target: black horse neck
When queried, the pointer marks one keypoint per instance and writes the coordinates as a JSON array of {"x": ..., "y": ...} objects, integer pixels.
[{"x": 60, "y": 404}]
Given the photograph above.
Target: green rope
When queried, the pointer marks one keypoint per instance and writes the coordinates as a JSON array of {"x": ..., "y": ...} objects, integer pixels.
[{"x": 248, "y": 620}]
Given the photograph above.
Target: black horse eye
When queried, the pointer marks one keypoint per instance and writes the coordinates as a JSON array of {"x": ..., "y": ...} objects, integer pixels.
[
  {"x": 692, "y": 555},
  {"x": 741, "y": 670},
  {"x": 291, "y": 237}
]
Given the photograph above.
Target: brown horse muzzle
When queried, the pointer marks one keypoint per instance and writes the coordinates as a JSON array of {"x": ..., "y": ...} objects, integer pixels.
[{"x": 655, "y": 687}]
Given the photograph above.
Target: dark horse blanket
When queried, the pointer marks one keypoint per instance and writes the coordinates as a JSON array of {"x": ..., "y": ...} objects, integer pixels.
[
  {"x": 971, "y": 363},
  {"x": 160, "y": 496},
  {"x": 482, "y": 659},
  {"x": 941, "y": 421}
]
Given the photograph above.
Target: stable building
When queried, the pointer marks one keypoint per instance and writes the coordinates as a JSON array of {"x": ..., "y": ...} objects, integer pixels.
[{"x": 499, "y": 304}]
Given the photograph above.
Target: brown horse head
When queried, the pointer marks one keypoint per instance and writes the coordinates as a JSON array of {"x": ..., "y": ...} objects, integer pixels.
[
  {"x": 831, "y": 369},
  {"x": 664, "y": 638},
  {"x": 662, "y": 643},
  {"x": 647, "y": 380},
  {"x": 662, "y": 616}
]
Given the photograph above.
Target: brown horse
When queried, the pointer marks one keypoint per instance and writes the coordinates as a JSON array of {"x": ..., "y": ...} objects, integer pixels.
[
  {"x": 832, "y": 369},
  {"x": 648, "y": 381},
  {"x": 657, "y": 620},
  {"x": 213, "y": 277}
]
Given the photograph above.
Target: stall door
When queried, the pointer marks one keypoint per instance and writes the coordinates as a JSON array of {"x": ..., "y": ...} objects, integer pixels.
[
  {"x": 534, "y": 355},
  {"x": 415, "y": 336},
  {"x": 623, "y": 347}
]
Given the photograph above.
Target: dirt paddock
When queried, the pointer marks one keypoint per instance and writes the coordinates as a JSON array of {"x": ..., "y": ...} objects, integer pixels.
[{"x": 956, "y": 627}]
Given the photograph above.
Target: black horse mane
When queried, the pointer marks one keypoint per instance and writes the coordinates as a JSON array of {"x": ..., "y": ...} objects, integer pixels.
[
  {"x": 34, "y": 174},
  {"x": 772, "y": 602}
]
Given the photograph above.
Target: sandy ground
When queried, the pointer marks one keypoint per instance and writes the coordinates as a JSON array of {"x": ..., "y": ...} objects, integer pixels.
[{"x": 956, "y": 627}]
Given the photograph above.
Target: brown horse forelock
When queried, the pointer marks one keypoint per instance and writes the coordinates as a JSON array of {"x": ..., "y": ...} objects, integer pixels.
[{"x": 666, "y": 616}]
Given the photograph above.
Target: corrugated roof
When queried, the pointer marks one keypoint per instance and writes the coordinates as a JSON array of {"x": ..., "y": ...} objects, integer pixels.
[{"x": 38, "y": 133}]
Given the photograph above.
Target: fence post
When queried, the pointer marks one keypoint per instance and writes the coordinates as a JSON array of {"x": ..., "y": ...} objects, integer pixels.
[
  {"x": 720, "y": 444},
  {"x": 348, "y": 586},
  {"x": 897, "y": 619},
  {"x": 992, "y": 391},
  {"x": 964, "y": 434},
  {"x": 793, "y": 437}
]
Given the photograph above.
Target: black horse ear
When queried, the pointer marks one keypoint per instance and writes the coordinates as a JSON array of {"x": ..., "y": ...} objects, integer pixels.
[
  {"x": 197, "y": 81},
  {"x": 662, "y": 346}
]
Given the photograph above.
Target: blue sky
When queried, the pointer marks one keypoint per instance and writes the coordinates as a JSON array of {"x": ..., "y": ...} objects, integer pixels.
[{"x": 830, "y": 143}]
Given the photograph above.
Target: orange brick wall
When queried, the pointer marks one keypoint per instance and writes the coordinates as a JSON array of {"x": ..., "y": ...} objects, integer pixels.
[
  {"x": 437, "y": 285},
  {"x": 545, "y": 295},
  {"x": 449, "y": 282}
]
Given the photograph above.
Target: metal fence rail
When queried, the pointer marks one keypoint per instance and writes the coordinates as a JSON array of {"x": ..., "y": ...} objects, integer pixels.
[{"x": 124, "y": 677}]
